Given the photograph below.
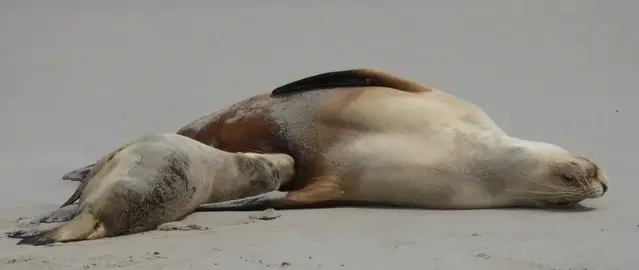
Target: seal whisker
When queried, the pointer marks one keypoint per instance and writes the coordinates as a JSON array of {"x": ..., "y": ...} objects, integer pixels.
[
  {"x": 557, "y": 188},
  {"x": 563, "y": 196},
  {"x": 529, "y": 195},
  {"x": 539, "y": 197},
  {"x": 563, "y": 188},
  {"x": 582, "y": 182},
  {"x": 542, "y": 192}
]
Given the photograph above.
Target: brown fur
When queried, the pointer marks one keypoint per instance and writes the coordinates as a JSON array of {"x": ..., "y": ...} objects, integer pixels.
[
  {"x": 259, "y": 134},
  {"x": 315, "y": 181},
  {"x": 306, "y": 125}
]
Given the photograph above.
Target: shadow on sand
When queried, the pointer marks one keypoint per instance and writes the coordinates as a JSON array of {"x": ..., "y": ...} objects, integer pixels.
[{"x": 574, "y": 208}]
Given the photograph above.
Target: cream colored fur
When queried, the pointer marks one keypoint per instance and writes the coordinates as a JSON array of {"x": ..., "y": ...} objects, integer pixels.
[
  {"x": 424, "y": 149},
  {"x": 159, "y": 179},
  {"x": 435, "y": 150}
]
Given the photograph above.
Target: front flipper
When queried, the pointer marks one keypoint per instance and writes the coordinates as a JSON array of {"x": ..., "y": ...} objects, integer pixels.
[
  {"x": 59, "y": 215},
  {"x": 24, "y": 233},
  {"x": 316, "y": 195},
  {"x": 258, "y": 202},
  {"x": 79, "y": 174}
]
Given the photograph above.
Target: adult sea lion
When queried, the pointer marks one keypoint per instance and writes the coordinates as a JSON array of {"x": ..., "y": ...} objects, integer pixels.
[
  {"x": 159, "y": 179},
  {"x": 364, "y": 137}
]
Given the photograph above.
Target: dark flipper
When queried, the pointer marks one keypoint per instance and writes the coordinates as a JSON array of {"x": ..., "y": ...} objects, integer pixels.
[
  {"x": 23, "y": 233},
  {"x": 350, "y": 78},
  {"x": 35, "y": 240},
  {"x": 79, "y": 174},
  {"x": 30, "y": 237},
  {"x": 257, "y": 202},
  {"x": 62, "y": 214}
]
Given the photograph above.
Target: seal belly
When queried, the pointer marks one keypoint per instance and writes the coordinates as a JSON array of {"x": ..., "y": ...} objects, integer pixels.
[
  {"x": 152, "y": 188},
  {"x": 405, "y": 170}
]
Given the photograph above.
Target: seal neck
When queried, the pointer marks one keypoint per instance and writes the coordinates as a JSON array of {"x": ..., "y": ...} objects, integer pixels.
[{"x": 510, "y": 167}]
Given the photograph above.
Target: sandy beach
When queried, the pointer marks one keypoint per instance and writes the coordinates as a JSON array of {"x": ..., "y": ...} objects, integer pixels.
[{"x": 79, "y": 78}]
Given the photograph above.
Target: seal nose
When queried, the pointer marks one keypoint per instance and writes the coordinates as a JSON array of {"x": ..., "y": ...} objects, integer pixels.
[{"x": 604, "y": 187}]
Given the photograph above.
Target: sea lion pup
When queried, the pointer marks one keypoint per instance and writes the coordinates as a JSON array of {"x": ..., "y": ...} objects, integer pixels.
[
  {"x": 159, "y": 179},
  {"x": 365, "y": 137}
]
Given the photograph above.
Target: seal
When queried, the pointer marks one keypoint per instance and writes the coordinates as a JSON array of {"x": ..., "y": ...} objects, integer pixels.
[
  {"x": 159, "y": 179},
  {"x": 367, "y": 137}
]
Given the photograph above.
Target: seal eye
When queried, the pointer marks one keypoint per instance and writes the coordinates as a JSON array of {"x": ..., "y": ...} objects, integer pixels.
[
  {"x": 567, "y": 179},
  {"x": 571, "y": 172}
]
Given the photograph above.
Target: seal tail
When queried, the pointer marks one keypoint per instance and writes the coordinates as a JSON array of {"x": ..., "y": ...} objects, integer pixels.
[
  {"x": 78, "y": 174},
  {"x": 85, "y": 180},
  {"x": 76, "y": 194},
  {"x": 87, "y": 171},
  {"x": 362, "y": 77},
  {"x": 82, "y": 227}
]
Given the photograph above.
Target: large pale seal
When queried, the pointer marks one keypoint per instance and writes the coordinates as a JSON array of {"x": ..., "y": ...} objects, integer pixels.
[
  {"x": 362, "y": 137},
  {"x": 158, "y": 179}
]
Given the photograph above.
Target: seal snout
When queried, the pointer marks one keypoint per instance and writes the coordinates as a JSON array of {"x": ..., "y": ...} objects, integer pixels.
[
  {"x": 286, "y": 161},
  {"x": 604, "y": 188},
  {"x": 285, "y": 164},
  {"x": 289, "y": 159},
  {"x": 598, "y": 176}
]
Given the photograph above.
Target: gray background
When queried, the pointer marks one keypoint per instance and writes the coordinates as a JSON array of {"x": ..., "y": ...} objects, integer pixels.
[{"x": 78, "y": 78}]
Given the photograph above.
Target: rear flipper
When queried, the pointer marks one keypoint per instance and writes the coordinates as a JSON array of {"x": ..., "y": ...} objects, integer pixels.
[
  {"x": 59, "y": 215},
  {"x": 82, "y": 227},
  {"x": 24, "y": 233},
  {"x": 78, "y": 174}
]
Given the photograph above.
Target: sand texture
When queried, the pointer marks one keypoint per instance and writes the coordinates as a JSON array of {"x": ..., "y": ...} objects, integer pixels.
[{"x": 78, "y": 78}]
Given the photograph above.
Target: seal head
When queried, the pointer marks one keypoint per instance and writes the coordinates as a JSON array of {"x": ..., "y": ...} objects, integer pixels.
[{"x": 559, "y": 178}]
